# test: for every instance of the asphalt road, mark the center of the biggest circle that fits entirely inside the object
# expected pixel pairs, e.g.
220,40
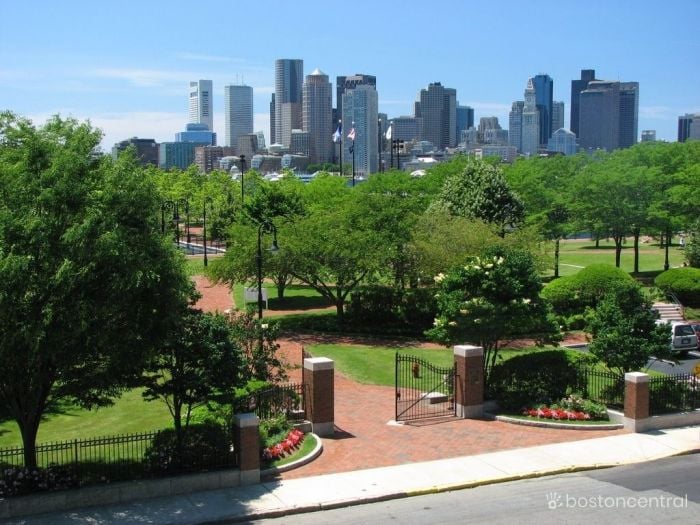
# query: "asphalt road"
685,364
663,491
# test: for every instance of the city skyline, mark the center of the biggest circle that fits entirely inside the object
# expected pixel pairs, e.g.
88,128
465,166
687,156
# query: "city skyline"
131,76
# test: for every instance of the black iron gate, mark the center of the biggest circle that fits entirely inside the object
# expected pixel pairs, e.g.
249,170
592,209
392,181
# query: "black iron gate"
423,390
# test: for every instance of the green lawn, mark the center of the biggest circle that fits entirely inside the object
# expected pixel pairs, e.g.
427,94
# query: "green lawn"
296,297
576,254
129,414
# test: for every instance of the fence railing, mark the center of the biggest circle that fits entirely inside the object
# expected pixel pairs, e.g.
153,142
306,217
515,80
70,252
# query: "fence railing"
606,388
123,457
275,401
195,244
675,393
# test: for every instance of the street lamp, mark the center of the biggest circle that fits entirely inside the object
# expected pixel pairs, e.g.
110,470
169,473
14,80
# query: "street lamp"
165,205
176,219
265,227
242,157
204,229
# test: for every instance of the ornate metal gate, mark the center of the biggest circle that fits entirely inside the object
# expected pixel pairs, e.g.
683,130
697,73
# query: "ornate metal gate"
423,390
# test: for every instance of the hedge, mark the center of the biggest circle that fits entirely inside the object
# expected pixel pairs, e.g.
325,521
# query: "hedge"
684,282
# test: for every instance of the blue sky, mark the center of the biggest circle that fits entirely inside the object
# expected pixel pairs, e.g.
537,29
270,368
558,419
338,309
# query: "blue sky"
126,65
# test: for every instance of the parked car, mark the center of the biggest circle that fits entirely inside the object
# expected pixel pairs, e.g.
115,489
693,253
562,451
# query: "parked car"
683,337
696,328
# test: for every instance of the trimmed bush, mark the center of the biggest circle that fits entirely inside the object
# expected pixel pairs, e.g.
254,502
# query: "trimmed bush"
537,378
684,282
204,446
382,306
573,294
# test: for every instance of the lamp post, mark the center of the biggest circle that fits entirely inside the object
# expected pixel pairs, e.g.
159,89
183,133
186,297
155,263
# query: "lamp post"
186,204
352,150
165,205
204,229
242,157
269,228
340,126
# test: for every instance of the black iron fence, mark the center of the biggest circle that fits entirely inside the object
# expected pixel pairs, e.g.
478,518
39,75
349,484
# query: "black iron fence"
194,244
516,390
675,393
81,462
277,400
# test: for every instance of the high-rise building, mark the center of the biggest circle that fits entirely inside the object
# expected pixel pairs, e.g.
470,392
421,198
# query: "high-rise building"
261,140
202,103
406,128
238,112
587,75
207,157
557,116
289,78
343,83
464,116
360,109
562,141
300,143
247,145
688,127
199,134
648,135
317,116
608,115
515,124
146,150
176,154
530,130
544,93
273,136
438,109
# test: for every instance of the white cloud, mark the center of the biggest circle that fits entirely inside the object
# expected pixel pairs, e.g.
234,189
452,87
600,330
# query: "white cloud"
145,77
658,112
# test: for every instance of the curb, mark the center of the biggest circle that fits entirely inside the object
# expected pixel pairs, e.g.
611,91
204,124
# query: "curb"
561,426
316,452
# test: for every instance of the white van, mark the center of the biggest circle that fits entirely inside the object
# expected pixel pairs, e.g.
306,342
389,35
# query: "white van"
683,337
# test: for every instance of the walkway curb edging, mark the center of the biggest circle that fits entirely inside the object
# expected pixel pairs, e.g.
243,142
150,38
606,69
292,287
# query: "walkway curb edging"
561,426
316,452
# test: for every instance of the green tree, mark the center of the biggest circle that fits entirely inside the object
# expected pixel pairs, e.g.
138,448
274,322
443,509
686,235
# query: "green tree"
481,192
88,286
624,333
492,298
199,363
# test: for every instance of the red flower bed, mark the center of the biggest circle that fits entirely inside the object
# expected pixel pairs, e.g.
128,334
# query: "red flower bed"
285,447
556,413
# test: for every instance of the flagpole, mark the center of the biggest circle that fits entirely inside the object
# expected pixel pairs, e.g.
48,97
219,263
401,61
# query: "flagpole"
340,127
353,154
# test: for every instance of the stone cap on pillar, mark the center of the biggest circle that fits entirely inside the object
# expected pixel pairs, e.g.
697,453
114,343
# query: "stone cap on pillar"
246,420
318,363
637,377
468,351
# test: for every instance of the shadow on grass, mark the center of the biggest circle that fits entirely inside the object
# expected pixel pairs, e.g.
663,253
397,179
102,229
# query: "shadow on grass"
299,302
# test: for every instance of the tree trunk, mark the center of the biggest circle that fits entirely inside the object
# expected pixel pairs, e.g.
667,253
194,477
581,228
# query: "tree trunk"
281,285
618,250
340,309
636,251
556,258
29,429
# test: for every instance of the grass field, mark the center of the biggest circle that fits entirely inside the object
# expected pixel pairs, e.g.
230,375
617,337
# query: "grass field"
296,297
577,254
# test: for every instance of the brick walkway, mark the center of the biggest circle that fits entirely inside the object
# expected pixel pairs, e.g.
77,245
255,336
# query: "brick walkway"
364,439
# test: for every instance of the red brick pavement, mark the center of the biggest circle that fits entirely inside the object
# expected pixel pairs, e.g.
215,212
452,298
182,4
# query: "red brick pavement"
363,437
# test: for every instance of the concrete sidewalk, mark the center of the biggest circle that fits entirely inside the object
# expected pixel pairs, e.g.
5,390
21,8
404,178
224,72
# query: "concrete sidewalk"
278,498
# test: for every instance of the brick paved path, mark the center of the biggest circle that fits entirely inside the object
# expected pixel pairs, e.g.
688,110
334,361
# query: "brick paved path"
364,439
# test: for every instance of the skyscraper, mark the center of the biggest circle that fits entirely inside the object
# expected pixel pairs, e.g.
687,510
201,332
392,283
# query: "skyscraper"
360,109
544,92
201,103
317,116
238,112
289,77
438,109
343,83
557,116
515,124
587,75
273,136
464,120
530,130
608,112
688,127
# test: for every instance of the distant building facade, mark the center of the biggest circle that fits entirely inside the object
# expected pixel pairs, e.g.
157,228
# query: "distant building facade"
515,124
198,134
201,108
146,150
530,130
345,83
360,110
207,157
563,141
317,117
464,119
587,75
689,127
176,154
437,106
406,128
238,113
608,115
289,79
648,135
544,100
557,116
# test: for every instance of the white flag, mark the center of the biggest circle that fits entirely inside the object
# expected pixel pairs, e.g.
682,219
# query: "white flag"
388,133
351,135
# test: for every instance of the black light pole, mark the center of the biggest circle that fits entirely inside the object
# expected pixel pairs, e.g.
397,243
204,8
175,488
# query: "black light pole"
265,227
340,125
204,230
186,203
352,150
391,161
667,244
242,173
165,205
176,221
379,145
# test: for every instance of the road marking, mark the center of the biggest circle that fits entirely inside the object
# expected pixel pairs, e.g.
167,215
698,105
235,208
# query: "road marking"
572,265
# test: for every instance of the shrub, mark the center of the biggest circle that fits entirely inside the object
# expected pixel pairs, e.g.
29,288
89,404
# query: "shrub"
274,430
377,306
573,294
204,446
539,377
684,282
15,481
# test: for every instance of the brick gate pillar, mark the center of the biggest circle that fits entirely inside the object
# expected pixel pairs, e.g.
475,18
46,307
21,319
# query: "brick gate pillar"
320,400
636,401
246,443
469,383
